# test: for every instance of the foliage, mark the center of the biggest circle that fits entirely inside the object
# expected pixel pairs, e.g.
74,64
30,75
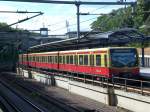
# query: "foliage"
124,17
6,28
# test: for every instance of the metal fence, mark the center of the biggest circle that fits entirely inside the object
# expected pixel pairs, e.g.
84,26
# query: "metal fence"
146,59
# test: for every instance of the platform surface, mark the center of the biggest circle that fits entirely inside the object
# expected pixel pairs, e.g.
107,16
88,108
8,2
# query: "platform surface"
145,72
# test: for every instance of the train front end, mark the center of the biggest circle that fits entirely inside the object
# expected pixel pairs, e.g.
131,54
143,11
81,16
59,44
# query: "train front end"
124,62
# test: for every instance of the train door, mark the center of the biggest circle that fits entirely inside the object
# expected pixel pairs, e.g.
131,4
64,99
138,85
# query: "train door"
91,63
76,62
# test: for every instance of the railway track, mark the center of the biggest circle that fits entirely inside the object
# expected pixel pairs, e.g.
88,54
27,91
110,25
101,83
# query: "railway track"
138,86
60,104
16,102
44,96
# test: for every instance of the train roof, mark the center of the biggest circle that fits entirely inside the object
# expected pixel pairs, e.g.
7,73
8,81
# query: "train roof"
81,50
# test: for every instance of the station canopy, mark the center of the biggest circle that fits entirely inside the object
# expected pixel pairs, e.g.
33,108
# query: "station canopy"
117,38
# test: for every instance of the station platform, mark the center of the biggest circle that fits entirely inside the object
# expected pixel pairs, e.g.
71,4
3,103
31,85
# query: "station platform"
145,72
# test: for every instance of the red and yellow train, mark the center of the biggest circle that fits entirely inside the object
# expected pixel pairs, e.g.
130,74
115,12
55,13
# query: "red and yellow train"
106,62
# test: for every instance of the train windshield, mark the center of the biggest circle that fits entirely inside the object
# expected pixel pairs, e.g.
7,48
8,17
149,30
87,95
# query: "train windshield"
124,57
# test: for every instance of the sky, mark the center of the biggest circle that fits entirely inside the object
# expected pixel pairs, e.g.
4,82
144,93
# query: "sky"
55,15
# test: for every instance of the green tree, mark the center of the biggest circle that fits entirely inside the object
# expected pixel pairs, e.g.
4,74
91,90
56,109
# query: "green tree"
124,17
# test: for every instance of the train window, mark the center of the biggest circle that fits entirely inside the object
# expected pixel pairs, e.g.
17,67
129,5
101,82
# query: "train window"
64,59
43,59
33,58
56,60
60,59
98,60
52,59
80,59
67,59
49,59
71,59
46,59
86,61
37,59
105,60
92,60
28,58
40,58
76,59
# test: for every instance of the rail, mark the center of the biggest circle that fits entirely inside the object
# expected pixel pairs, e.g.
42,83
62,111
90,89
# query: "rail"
44,96
14,106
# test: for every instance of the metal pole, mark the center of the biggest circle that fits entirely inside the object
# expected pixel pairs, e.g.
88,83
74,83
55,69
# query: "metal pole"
143,58
78,23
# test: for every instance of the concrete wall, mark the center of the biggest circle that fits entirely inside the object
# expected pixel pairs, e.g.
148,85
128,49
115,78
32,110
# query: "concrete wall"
94,92
131,101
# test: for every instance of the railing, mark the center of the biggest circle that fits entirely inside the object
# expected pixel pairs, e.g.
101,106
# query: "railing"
130,85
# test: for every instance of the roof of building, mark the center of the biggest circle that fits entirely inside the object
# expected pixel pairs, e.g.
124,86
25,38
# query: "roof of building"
118,37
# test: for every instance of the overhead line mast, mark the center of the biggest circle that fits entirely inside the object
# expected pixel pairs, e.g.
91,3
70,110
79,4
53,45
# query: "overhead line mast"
77,3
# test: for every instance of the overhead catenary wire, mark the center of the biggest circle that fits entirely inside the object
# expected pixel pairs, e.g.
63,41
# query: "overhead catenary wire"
62,28
72,18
